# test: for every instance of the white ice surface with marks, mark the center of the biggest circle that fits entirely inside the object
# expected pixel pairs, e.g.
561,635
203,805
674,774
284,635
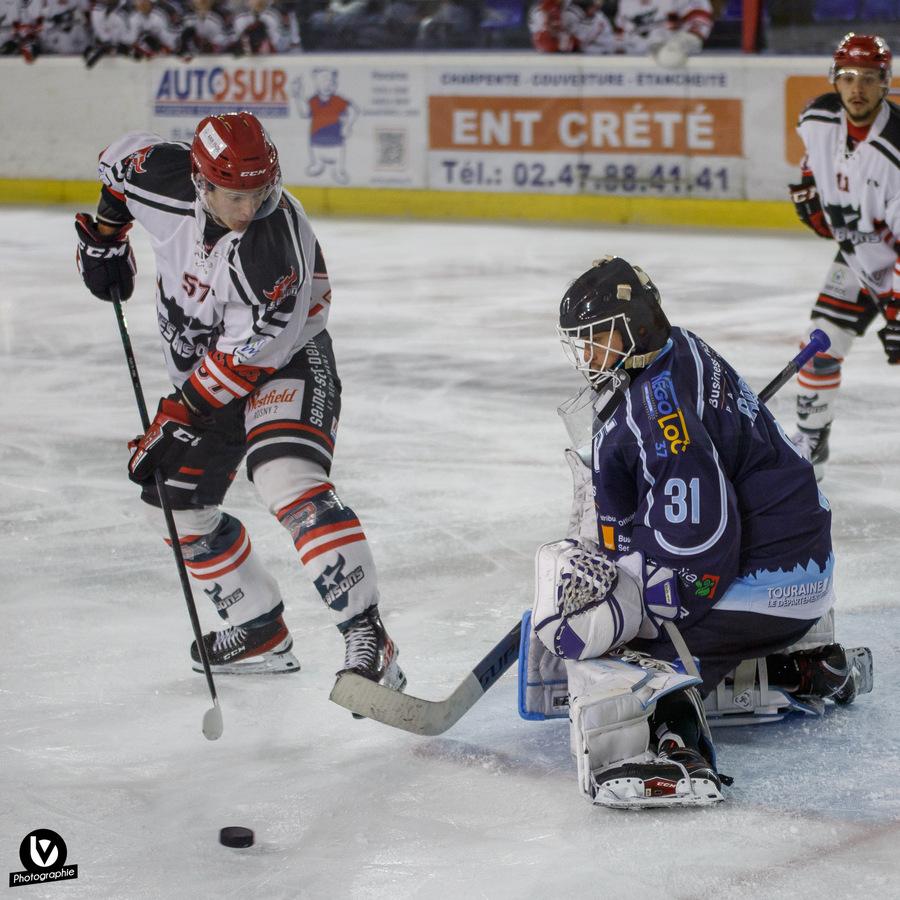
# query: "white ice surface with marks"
451,453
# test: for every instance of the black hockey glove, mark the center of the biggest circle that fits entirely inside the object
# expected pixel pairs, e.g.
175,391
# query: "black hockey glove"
809,207
890,338
172,433
104,260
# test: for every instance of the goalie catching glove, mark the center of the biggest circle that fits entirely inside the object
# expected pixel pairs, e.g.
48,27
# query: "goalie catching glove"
172,433
105,260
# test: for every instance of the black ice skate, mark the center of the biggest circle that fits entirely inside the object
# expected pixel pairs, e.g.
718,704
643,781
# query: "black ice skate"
813,445
368,651
678,776
239,650
826,673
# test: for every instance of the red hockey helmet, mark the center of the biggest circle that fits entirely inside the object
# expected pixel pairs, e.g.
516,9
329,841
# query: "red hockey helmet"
234,151
862,51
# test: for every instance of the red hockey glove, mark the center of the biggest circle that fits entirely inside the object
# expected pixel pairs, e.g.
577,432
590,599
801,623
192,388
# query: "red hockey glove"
104,260
172,433
806,201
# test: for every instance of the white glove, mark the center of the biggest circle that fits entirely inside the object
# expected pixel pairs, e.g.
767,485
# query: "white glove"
674,52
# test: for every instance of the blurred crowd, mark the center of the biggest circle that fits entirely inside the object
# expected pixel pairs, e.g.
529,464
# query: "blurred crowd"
669,30
142,29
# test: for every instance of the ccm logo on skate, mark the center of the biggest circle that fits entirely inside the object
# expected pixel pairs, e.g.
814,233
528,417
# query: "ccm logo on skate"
43,854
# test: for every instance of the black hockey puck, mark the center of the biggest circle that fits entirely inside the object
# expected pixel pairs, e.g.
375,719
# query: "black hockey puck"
236,836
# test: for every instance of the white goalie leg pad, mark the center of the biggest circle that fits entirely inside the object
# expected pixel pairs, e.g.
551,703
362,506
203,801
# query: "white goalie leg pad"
611,703
543,685
744,696
584,605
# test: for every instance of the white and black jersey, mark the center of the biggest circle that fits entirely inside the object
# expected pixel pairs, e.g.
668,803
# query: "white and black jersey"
204,32
233,307
262,33
152,32
646,24
110,24
65,28
858,183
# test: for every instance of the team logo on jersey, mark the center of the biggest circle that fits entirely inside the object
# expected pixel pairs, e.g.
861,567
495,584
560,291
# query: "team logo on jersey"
706,585
663,407
137,160
286,286
189,338
844,221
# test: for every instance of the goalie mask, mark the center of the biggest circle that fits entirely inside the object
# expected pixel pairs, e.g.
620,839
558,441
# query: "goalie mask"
611,319
233,159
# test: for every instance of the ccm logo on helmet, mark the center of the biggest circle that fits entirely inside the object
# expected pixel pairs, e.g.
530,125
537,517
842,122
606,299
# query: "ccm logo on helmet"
252,172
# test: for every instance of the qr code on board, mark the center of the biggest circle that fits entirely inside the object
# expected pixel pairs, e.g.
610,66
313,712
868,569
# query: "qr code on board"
390,149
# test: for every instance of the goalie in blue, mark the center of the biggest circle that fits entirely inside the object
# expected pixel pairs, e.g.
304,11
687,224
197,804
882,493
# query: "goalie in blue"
698,533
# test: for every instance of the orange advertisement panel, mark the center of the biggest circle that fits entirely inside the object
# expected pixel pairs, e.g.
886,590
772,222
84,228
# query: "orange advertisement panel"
798,91
632,125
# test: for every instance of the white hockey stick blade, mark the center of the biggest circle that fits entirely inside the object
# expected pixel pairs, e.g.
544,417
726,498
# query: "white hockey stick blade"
212,722
426,717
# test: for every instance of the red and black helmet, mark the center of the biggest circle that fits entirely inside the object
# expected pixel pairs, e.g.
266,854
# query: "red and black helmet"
234,151
862,51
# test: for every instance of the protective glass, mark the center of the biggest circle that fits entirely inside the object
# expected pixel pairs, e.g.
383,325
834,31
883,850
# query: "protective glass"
268,197
867,77
589,348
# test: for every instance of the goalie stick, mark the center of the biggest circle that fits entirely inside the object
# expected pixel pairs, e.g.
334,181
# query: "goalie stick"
819,342
430,717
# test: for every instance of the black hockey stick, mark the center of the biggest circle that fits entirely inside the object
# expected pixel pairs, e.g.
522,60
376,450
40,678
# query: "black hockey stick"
819,342
430,717
212,718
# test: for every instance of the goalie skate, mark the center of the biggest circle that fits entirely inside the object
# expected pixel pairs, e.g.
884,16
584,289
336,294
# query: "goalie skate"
677,777
244,651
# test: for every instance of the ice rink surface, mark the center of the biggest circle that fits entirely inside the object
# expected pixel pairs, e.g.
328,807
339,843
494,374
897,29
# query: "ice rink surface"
450,451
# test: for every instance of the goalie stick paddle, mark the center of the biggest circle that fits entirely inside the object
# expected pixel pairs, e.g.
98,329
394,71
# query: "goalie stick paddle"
430,717
212,718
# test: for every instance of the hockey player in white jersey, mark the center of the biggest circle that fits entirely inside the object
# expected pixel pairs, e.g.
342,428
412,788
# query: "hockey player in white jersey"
152,31
849,192
242,296
203,31
669,30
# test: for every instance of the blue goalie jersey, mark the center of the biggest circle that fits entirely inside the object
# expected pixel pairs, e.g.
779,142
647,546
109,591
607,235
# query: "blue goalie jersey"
694,472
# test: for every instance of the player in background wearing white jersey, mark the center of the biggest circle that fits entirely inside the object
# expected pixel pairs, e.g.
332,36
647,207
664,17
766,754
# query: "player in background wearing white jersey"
242,298
669,30
849,192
